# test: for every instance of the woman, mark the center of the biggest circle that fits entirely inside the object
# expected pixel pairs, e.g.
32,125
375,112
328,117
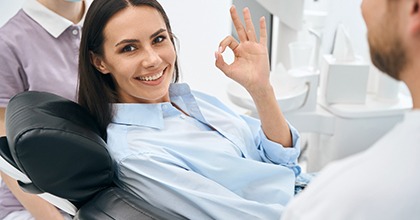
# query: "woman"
168,142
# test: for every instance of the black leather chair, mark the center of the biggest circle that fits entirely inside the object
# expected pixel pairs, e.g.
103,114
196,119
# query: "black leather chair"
53,148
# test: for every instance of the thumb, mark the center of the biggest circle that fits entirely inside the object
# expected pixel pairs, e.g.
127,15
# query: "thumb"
220,62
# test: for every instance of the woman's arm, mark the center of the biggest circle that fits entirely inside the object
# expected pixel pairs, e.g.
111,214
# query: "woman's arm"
251,69
170,185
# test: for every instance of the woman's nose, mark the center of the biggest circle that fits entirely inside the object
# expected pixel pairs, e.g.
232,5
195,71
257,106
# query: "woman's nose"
151,58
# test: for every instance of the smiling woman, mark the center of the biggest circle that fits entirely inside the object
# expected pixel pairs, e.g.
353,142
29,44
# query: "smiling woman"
140,59
102,50
170,142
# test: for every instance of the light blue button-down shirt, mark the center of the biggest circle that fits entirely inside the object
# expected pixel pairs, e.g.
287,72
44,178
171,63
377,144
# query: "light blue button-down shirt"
211,164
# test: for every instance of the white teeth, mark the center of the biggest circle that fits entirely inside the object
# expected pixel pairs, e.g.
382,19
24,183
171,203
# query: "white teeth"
151,78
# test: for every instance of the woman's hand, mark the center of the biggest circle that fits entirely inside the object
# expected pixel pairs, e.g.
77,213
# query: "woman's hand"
251,69
251,66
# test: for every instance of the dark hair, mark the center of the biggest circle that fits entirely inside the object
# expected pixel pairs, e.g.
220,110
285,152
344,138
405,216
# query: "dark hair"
97,91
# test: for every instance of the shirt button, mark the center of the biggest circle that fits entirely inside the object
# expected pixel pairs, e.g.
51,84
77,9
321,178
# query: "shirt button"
75,32
183,116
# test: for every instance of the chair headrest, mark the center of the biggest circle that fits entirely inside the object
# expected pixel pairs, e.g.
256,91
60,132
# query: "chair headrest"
56,143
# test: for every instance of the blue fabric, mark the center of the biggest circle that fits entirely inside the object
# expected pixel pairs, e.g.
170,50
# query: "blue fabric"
302,181
208,164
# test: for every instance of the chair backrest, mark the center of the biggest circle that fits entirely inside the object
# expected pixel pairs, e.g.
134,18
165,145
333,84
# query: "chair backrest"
8,165
56,143
54,149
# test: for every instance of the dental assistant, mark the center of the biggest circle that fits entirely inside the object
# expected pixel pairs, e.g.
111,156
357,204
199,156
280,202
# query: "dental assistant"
39,49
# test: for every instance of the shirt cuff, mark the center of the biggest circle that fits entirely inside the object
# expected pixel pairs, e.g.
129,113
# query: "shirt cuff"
278,154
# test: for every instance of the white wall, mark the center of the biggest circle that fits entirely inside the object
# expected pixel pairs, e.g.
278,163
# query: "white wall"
8,8
200,25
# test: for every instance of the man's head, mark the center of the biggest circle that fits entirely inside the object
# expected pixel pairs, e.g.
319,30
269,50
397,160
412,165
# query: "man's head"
392,26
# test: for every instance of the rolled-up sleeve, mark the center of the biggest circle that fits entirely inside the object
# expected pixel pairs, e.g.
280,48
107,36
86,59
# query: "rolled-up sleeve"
272,152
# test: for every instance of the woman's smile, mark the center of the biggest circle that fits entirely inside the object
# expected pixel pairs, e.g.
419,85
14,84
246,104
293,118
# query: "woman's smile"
152,79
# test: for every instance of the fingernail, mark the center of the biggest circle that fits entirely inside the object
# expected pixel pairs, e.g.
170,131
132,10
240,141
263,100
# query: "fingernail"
220,49
215,55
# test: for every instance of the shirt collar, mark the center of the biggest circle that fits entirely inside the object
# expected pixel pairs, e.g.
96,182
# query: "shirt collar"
152,115
49,20
179,90
149,115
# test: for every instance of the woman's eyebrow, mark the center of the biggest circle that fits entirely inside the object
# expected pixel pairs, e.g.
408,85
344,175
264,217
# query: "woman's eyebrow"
128,41
157,33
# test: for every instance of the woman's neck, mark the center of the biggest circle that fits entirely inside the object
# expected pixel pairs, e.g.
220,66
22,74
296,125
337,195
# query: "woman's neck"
72,11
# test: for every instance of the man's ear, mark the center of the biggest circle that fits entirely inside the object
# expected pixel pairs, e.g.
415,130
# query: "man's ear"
97,62
414,23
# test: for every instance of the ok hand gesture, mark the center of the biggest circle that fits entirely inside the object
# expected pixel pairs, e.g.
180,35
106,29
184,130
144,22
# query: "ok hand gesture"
251,67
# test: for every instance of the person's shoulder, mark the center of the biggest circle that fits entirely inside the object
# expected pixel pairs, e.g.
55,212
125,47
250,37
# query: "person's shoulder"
18,32
17,25
213,101
14,22
203,95
206,97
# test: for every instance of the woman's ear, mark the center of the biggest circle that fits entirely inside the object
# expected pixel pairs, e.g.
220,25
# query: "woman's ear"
98,63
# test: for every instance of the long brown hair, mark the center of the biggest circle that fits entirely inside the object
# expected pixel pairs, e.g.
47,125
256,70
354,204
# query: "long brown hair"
97,91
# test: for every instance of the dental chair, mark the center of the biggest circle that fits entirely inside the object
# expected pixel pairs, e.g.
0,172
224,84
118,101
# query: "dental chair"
54,149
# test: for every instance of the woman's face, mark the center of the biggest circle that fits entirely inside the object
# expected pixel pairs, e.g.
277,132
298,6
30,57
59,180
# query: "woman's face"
139,55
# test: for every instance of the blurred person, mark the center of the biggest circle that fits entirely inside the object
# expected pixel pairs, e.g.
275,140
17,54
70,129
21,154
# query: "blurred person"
381,182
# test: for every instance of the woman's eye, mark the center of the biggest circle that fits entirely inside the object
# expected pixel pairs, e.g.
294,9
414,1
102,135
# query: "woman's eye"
159,39
128,48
